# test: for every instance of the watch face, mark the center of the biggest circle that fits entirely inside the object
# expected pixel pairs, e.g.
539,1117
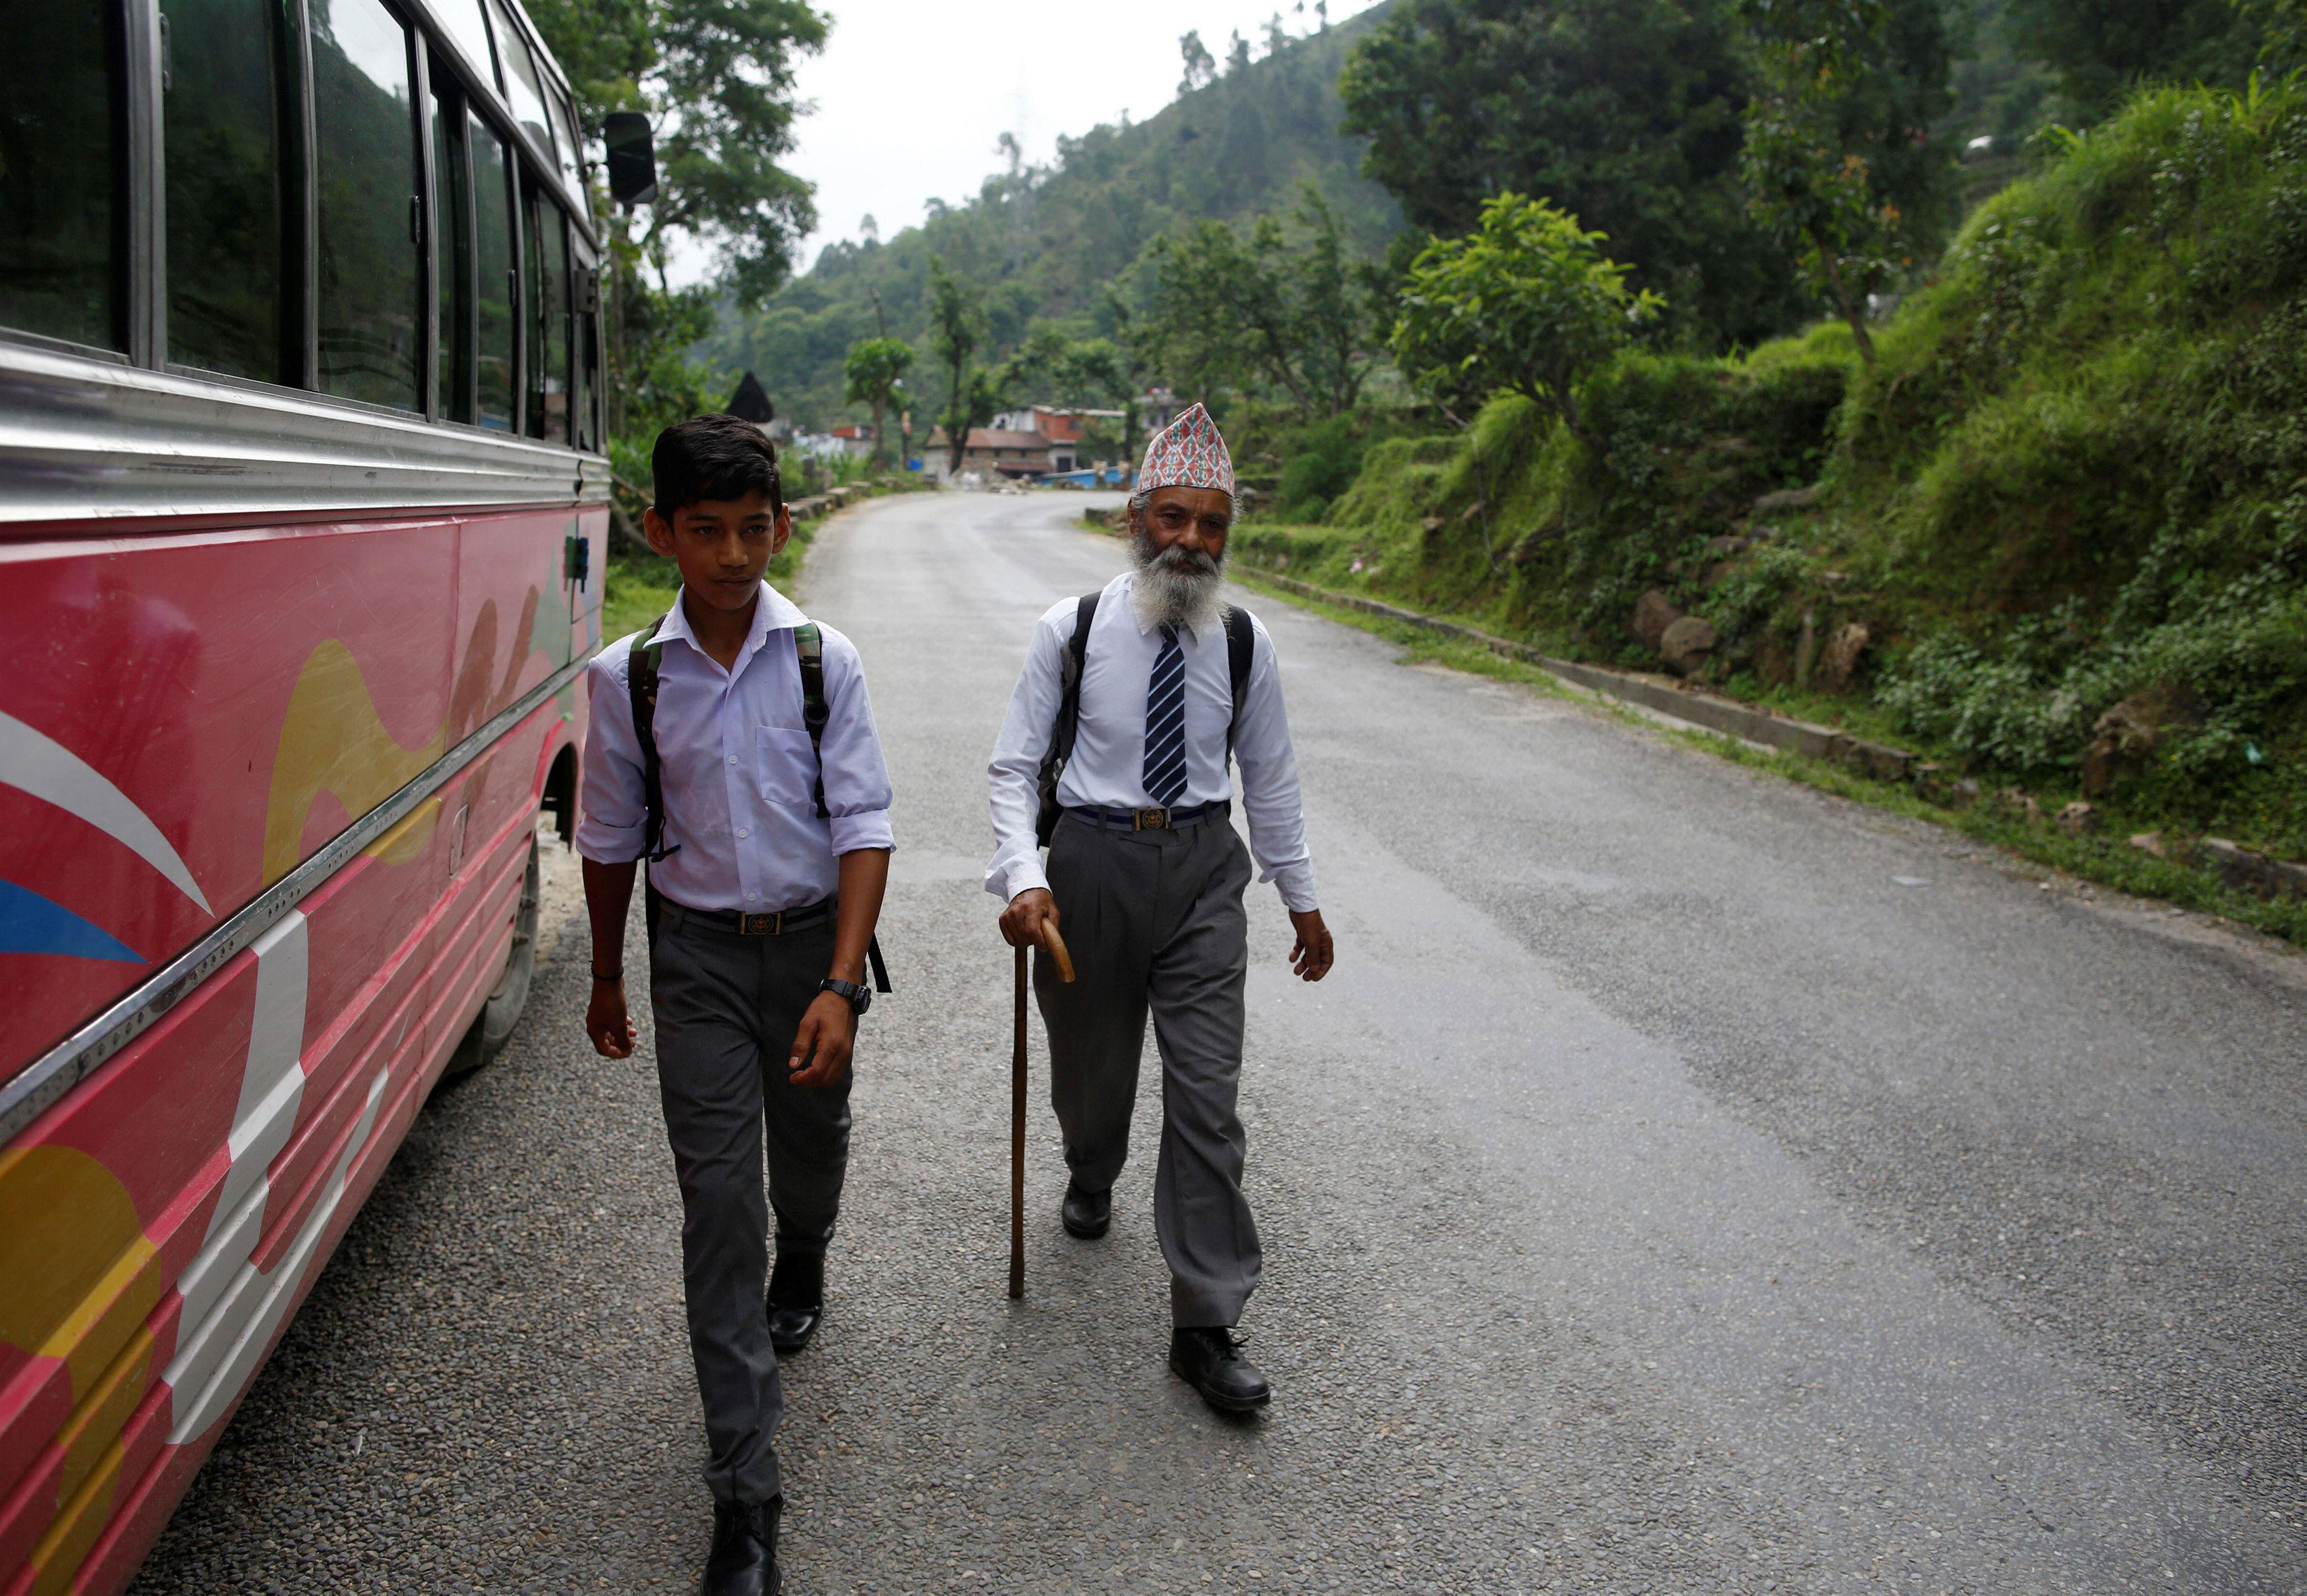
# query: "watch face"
864,997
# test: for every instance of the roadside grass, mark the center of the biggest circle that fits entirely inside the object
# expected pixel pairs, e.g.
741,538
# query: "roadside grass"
2104,860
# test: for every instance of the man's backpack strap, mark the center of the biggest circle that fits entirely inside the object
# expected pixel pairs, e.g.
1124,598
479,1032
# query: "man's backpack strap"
1068,721
809,653
1241,638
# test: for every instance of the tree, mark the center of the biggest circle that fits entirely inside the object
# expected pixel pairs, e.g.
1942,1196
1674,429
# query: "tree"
1268,310
2281,29
1804,160
973,394
2098,49
876,369
717,75
1201,67
1627,114
1527,304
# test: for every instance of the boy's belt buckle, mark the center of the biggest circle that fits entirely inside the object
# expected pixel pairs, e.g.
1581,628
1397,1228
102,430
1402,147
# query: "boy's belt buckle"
770,924
1150,820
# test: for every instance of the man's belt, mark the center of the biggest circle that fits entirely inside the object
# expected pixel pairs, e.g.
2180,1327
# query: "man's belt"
745,925
1150,820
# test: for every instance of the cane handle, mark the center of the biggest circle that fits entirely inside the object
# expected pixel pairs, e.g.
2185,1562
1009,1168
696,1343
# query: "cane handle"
1055,947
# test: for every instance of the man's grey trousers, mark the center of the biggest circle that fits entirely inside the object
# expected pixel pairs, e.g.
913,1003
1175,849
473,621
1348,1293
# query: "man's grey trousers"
726,1009
1154,920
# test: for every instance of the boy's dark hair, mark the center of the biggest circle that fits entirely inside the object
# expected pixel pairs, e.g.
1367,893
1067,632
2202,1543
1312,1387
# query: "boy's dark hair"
714,456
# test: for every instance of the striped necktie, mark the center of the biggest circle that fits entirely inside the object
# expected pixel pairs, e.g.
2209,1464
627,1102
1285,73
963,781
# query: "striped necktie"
1165,725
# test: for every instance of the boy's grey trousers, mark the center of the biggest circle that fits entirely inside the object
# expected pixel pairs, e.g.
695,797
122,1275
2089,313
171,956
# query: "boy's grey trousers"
726,1009
1154,920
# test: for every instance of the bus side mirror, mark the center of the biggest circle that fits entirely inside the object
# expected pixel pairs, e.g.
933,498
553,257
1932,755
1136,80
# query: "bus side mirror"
632,157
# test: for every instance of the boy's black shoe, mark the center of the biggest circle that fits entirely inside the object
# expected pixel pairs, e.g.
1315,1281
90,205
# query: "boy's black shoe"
1086,1214
796,1302
743,1561
1209,1361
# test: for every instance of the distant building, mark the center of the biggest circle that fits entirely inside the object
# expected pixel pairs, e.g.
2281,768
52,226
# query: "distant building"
990,451
856,438
1062,425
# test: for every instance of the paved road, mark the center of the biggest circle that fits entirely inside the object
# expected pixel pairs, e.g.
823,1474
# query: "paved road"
1666,1194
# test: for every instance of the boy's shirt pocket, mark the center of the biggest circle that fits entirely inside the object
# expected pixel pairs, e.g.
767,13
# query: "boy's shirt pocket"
785,766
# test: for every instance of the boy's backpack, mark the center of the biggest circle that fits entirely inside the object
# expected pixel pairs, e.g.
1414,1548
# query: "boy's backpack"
640,685
1239,639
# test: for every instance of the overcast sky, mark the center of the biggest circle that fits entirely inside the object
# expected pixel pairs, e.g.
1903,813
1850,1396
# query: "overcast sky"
911,95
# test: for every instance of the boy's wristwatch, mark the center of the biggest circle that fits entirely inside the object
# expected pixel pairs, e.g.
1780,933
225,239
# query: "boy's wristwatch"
859,998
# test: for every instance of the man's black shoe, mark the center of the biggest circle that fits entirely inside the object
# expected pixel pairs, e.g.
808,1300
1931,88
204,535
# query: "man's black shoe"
796,1302
1086,1214
743,1561
1209,1361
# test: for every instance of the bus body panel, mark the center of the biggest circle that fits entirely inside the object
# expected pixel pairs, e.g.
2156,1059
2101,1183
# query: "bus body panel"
159,1224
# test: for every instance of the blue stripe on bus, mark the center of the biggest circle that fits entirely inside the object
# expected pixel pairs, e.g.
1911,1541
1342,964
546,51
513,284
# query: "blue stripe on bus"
31,924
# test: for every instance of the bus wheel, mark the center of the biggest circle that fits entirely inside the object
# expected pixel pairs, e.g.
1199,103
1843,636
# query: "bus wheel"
493,1027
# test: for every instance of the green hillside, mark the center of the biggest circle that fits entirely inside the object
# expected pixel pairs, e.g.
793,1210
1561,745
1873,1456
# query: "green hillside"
2055,536
1046,242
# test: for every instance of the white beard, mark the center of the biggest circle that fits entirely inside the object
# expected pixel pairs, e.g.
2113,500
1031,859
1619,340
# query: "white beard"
1175,588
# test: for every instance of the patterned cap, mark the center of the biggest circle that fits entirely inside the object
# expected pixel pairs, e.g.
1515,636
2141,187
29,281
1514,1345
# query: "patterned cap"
1187,453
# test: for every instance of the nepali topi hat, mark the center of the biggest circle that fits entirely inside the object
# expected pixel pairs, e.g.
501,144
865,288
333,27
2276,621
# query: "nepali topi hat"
1187,453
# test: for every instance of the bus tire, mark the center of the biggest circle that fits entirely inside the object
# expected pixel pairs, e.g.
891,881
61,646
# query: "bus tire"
493,1027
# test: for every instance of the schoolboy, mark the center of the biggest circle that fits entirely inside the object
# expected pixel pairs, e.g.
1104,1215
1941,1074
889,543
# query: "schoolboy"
768,846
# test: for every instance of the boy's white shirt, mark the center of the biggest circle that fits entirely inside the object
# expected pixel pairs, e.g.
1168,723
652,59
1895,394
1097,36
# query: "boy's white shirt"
739,776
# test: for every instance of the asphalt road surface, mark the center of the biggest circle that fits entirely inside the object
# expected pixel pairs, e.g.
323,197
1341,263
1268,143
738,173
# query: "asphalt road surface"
1685,1182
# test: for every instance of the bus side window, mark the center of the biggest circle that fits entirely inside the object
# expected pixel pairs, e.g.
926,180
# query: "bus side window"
548,305
452,256
584,364
492,252
468,32
522,86
365,113
62,268
228,205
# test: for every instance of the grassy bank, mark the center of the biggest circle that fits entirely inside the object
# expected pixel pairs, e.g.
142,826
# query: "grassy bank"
2102,858
2052,539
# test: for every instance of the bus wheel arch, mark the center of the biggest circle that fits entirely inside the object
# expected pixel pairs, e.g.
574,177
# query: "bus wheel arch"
558,796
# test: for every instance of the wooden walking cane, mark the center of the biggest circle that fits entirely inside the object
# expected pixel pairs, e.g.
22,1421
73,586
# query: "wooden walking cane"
1057,947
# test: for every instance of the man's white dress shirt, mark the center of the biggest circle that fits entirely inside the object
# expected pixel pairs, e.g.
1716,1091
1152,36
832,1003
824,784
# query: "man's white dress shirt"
1106,769
738,771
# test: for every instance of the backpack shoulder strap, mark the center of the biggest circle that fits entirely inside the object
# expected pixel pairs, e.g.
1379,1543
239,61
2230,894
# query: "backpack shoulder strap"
1069,721
640,690
809,653
1076,662
1241,639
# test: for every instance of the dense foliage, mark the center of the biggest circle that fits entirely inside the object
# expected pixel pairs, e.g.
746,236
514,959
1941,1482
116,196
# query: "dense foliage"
1527,304
2063,515
1627,114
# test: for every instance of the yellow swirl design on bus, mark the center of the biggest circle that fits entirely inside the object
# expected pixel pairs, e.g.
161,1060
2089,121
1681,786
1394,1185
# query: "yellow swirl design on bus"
333,741
76,1283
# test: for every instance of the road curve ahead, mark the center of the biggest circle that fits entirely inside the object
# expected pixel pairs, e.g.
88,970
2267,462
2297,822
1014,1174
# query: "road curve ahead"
1685,1182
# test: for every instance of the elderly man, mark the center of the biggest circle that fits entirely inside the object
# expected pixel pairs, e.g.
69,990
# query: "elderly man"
1114,753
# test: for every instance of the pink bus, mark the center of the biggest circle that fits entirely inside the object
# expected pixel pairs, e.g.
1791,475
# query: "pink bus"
301,501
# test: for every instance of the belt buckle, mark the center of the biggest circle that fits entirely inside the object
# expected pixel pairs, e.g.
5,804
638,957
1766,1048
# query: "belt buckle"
1149,820
770,924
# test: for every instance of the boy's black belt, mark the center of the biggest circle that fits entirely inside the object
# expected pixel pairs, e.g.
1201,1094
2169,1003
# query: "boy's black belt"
775,923
1150,820
744,925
